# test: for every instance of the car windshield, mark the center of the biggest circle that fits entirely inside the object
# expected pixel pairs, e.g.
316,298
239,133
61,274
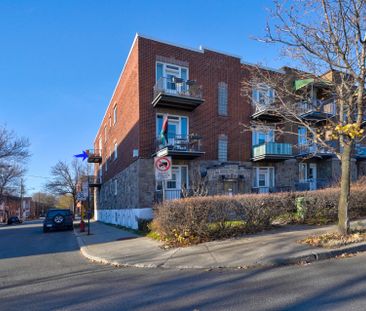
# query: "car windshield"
51,214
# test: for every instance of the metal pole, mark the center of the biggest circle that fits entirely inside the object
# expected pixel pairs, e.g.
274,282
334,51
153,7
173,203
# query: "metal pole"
21,199
88,207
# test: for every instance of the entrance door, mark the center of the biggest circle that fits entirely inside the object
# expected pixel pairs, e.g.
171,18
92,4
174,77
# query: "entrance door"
173,187
312,176
265,179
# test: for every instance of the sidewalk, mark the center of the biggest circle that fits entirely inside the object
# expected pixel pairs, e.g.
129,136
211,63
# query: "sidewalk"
114,246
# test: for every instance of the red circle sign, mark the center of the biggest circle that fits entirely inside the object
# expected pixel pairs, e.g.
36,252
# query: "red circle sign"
163,164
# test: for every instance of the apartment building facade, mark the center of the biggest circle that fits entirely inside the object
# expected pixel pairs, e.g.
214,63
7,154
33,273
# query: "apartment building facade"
199,94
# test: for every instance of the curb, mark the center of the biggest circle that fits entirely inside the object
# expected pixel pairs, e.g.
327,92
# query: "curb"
308,258
84,252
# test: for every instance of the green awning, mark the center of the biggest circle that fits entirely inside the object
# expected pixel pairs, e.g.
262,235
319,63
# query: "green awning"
301,83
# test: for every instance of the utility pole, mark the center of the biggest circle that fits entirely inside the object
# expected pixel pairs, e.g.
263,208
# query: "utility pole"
21,199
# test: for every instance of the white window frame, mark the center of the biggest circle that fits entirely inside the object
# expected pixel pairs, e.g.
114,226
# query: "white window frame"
115,114
115,151
256,179
174,116
159,183
302,138
268,132
303,167
165,70
269,97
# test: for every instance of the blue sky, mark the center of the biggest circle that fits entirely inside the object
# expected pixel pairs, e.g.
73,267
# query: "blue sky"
60,60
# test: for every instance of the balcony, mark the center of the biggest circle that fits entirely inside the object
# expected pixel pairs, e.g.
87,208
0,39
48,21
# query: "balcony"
315,151
177,93
360,152
94,181
179,147
266,112
272,151
94,155
317,110
312,184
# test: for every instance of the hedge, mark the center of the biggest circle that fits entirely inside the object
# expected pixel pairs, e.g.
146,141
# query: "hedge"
200,219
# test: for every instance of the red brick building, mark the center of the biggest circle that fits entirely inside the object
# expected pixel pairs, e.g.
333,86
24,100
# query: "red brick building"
200,92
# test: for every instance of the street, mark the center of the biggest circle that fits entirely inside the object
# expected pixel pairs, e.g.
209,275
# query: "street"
46,272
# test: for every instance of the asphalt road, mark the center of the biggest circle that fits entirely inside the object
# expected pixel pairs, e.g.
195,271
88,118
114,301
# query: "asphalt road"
46,272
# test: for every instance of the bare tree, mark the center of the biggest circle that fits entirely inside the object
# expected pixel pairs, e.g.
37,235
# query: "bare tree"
323,36
13,155
198,186
65,178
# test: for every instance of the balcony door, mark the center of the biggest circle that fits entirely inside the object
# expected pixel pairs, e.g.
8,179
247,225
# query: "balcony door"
177,128
165,75
261,137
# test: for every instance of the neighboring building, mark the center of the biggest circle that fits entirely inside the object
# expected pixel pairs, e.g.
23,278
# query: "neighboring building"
10,206
201,94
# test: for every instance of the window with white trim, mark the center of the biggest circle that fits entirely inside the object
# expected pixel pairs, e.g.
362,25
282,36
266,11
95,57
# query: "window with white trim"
115,187
222,98
263,177
222,148
115,114
263,95
262,136
166,74
115,151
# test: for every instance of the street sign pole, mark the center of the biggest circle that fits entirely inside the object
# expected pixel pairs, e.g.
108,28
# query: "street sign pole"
88,209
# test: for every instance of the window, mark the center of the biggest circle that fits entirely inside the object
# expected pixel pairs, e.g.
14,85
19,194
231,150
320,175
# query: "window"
263,95
222,99
222,148
303,172
100,172
105,133
115,151
115,114
302,136
115,187
263,178
100,144
264,135
177,127
106,160
110,121
165,74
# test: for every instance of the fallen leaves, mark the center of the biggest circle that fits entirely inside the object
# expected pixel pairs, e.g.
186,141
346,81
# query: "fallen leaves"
334,239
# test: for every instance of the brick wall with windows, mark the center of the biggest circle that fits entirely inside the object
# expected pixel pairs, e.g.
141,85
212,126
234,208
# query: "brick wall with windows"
211,70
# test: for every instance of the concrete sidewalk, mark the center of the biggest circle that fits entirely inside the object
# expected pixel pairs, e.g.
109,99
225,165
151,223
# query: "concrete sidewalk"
114,246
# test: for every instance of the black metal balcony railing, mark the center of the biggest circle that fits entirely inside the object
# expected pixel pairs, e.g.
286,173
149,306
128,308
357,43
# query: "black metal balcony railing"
315,149
177,93
317,108
94,155
178,86
94,181
187,143
312,184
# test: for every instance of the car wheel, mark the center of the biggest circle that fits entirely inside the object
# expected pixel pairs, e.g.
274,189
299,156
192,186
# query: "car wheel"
58,219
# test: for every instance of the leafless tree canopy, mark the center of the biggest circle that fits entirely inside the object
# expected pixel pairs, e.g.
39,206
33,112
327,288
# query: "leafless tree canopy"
65,178
326,41
13,155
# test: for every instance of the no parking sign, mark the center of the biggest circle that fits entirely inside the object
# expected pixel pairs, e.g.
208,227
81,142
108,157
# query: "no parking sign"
163,168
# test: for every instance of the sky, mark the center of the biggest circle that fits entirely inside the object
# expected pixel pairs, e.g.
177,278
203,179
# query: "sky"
60,61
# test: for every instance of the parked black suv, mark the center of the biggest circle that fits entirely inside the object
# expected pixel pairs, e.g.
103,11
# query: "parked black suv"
58,219
14,220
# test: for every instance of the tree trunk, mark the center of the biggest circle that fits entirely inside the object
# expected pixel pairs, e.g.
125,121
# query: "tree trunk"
343,221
